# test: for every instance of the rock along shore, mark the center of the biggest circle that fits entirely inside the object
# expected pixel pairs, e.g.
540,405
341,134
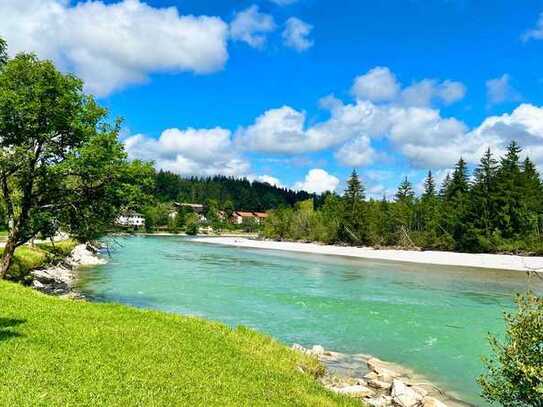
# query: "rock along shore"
385,384
60,279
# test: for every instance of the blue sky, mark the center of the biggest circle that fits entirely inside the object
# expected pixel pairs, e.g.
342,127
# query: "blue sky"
302,92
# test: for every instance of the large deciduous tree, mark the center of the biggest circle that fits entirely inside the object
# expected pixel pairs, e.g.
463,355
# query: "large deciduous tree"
61,164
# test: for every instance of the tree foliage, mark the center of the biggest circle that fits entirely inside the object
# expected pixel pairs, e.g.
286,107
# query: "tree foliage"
500,210
61,164
515,372
230,193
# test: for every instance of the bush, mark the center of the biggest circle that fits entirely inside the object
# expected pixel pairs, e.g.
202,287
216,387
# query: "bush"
515,374
192,225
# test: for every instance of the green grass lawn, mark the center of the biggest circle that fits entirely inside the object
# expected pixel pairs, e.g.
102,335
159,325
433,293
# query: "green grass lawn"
62,352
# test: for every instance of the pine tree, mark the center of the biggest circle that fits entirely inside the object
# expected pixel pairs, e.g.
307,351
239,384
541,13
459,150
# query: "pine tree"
429,209
459,183
429,187
455,204
354,226
354,193
445,186
511,212
404,212
532,195
405,192
482,199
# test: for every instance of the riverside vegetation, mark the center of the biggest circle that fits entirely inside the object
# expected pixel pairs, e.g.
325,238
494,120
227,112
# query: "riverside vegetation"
499,210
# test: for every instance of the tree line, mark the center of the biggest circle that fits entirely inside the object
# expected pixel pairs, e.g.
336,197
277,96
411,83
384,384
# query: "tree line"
497,208
227,192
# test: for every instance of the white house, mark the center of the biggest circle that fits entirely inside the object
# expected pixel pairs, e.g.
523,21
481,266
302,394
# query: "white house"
131,219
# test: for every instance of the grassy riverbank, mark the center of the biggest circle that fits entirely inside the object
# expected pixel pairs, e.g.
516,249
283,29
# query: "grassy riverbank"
64,352
28,258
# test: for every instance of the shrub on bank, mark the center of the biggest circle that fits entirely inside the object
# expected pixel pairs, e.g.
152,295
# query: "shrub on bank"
515,373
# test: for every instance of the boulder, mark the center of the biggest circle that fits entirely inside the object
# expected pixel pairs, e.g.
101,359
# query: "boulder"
371,376
84,255
379,384
403,395
317,350
356,390
382,368
432,402
381,401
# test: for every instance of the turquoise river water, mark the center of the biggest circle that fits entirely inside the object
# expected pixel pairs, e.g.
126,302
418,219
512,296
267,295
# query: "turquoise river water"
431,319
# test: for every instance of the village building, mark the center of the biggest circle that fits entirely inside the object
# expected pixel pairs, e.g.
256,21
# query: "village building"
131,219
239,216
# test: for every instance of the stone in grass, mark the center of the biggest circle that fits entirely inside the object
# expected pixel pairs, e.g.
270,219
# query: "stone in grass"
356,390
432,402
403,395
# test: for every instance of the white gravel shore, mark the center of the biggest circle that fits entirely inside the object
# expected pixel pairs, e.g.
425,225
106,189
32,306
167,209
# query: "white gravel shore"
489,261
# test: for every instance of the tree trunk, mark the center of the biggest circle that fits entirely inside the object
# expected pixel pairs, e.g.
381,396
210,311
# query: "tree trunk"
9,251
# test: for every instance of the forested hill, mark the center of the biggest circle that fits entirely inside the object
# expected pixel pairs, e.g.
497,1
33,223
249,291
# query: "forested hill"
243,193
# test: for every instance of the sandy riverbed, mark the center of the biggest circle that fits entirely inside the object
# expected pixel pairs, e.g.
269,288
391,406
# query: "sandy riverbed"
490,261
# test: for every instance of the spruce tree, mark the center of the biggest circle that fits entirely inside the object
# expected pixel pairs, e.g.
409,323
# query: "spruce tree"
459,182
404,212
429,210
429,186
405,192
511,212
445,186
532,194
354,193
354,226
455,204
482,199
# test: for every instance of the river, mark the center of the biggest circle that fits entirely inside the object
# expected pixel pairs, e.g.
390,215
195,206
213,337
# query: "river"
432,319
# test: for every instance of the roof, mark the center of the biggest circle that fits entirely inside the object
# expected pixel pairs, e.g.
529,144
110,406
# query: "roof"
190,205
245,214
132,213
261,214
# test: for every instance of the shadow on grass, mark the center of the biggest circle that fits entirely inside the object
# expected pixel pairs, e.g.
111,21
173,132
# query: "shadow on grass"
6,325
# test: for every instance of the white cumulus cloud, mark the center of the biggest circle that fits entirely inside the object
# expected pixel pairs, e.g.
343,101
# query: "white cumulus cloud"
267,179
296,33
381,85
113,45
377,85
190,152
317,181
500,90
535,33
356,153
252,26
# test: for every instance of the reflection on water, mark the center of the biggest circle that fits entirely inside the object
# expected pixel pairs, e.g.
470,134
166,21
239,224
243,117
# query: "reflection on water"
433,319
